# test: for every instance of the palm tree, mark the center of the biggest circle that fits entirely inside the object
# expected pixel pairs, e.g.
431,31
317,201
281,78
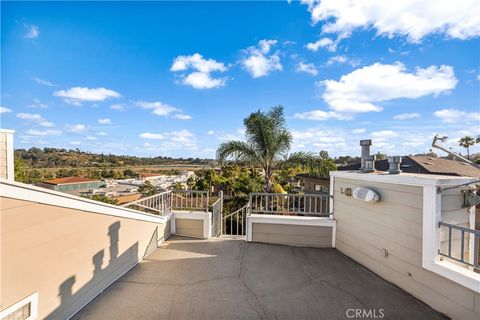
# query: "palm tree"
466,142
267,144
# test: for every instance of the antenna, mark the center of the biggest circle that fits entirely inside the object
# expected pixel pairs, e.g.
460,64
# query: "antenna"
443,139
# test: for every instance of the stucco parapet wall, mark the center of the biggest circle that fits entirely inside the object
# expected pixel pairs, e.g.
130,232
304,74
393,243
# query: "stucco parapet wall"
21,191
412,179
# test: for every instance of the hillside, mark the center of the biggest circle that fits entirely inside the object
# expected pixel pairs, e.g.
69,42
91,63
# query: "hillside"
63,158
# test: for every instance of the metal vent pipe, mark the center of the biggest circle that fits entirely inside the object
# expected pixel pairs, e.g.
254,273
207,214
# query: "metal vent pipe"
394,164
365,144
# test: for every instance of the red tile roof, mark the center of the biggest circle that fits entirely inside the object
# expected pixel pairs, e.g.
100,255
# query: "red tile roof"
67,180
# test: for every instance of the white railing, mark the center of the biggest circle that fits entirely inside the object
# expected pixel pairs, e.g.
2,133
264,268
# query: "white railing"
159,203
190,200
217,212
167,201
290,204
235,222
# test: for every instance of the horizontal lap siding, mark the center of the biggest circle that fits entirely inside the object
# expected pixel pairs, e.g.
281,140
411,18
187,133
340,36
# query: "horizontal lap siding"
297,235
189,227
3,155
395,224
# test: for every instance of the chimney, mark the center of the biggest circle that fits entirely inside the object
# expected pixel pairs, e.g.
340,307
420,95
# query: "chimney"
369,164
365,144
6,155
394,164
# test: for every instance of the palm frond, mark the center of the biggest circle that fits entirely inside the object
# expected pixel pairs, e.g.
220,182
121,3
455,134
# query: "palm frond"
237,151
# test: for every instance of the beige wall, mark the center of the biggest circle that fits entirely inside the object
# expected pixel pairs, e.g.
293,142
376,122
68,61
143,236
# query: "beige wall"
296,235
3,155
366,232
67,255
189,227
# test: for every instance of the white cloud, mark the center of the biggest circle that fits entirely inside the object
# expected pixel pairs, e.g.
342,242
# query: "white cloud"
104,121
200,77
173,140
200,80
76,128
159,108
455,115
307,68
384,134
44,82
5,110
411,18
38,133
101,133
197,62
406,116
181,136
77,95
211,133
33,31
320,115
38,119
257,60
37,104
149,135
163,109
117,106
341,60
91,138
182,116
326,43
359,90
359,130
75,143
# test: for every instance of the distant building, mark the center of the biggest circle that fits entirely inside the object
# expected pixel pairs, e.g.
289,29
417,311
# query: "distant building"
425,165
71,183
149,176
314,184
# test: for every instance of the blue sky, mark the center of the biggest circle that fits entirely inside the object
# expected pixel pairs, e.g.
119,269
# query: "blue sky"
178,78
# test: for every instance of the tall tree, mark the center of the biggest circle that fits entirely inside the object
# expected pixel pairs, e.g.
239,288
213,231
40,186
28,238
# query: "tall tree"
466,142
267,144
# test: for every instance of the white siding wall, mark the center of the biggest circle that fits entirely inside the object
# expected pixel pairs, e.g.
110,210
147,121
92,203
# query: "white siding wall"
386,237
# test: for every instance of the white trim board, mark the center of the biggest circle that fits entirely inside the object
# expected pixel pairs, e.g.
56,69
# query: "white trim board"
32,299
403,178
291,220
21,191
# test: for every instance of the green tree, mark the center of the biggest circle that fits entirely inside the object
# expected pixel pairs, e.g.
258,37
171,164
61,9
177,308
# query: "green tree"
267,144
466,142
147,189
322,165
101,198
19,170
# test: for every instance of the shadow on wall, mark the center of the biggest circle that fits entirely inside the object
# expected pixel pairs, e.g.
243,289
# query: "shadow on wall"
70,302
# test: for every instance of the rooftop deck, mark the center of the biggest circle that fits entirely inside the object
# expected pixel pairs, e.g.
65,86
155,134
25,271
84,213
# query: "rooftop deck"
232,279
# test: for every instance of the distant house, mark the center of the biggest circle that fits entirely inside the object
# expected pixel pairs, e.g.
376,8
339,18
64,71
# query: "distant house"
70,183
314,184
425,165
149,176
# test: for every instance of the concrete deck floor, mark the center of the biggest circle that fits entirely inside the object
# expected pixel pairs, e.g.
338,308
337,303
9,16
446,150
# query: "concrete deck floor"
232,279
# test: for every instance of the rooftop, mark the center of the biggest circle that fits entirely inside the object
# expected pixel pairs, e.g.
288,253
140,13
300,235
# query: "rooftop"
68,180
425,165
233,279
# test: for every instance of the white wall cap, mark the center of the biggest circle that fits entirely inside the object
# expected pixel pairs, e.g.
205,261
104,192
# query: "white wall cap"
414,179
